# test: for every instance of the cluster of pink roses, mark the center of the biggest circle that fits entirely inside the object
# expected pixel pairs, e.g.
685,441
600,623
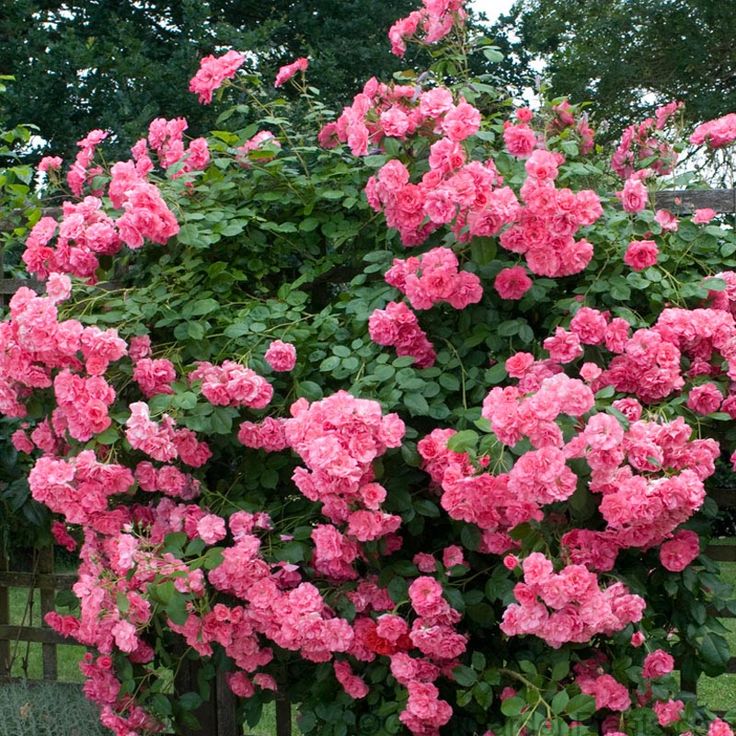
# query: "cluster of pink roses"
469,196
338,439
432,278
34,344
232,384
81,172
716,133
160,441
212,72
165,137
544,229
86,231
642,143
434,21
398,326
399,111
568,606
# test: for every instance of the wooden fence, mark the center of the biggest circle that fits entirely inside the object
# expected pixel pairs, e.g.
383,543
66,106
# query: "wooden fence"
217,716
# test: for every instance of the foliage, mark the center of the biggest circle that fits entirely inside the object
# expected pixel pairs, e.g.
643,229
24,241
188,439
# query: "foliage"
69,55
19,511
627,56
274,240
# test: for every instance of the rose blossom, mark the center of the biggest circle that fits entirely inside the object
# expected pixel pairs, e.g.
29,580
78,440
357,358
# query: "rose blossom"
289,70
281,356
641,254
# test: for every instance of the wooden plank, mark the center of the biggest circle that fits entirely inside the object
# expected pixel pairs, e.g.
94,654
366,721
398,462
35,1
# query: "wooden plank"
720,613
689,686
685,201
283,715
48,596
10,286
186,681
721,552
13,632
724,497
227,723
59,581
4,621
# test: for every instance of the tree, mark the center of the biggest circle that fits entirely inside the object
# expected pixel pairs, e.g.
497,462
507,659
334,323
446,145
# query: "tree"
627,56
117,65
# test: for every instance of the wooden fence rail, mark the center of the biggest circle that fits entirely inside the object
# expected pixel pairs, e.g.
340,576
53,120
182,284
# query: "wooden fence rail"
12,634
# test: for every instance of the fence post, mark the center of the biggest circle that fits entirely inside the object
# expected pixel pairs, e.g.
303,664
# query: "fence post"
227,723
4,616
48,596
283,715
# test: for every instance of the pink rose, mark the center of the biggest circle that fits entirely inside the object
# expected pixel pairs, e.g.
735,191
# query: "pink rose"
289,70
641,254
634,196
677,553
512,283
658,664
703,216
281,356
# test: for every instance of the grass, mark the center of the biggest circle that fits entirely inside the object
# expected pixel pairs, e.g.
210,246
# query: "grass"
720,692
27,656
24,706
47,709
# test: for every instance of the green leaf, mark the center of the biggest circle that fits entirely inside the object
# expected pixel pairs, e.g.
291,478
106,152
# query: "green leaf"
428,508
512,706
560,701
329,364
195,330
203,306
493,54
483,250
213,558
560,670
190,701
221,420
449,382
416,404
580,707
470,536
483,694
398,589
108,437
176,609
310,390
122,602
496,373
291,552
462,441
464,676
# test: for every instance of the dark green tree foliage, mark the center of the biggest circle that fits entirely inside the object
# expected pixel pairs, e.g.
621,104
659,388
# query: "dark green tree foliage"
116,65
616,52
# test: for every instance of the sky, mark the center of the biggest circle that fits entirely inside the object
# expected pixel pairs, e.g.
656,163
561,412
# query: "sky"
492,8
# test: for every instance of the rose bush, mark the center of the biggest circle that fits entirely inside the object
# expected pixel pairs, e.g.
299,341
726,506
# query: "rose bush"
458,489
